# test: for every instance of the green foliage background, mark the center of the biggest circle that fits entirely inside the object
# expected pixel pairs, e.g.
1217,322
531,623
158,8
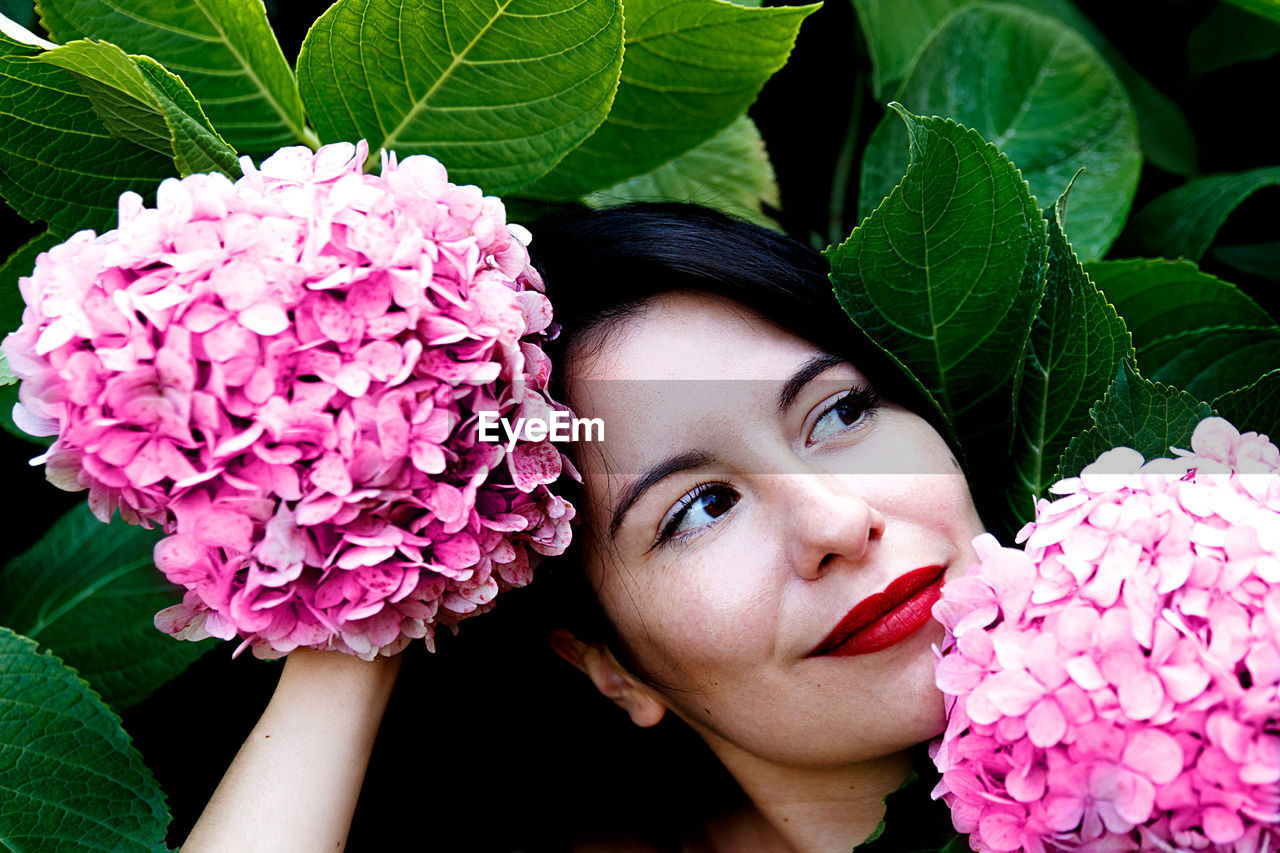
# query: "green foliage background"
1045,325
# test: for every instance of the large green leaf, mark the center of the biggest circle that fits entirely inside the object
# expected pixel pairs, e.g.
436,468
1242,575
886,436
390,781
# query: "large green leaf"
691,68
1255,408
1209,362
70,776
498,90
1228,36
57,162
1158,298
1042,95
89,591
224,50
1077,343
1184,221
730,172
1269,9
948,272
896,29
19,11
1148,416
139,101
1260,259
1167,140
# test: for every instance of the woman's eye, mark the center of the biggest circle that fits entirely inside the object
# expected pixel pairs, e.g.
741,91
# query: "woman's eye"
845,413
698,508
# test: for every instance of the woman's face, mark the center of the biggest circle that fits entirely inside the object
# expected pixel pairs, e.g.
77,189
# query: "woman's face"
744,503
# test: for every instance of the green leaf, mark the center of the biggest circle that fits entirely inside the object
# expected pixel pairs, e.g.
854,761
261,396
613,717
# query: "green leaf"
1041,95
71,778
223,49
1213,361
1148,416
1255,408
57,162
498,90
21,12
1167,140
948,272
9,397
730,172
1260,259
20,263
1228,36
139,101
691,68
1077,343
1166,136
1269,9
1083,449
89,591
1158,298
1191,329
1184,221
896,29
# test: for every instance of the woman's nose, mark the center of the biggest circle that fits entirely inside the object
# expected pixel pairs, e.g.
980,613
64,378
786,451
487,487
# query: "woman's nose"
828,522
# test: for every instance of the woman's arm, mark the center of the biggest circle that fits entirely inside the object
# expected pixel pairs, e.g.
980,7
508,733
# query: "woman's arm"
293,786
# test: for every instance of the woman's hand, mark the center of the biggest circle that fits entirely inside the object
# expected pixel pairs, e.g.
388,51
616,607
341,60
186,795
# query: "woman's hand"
293,786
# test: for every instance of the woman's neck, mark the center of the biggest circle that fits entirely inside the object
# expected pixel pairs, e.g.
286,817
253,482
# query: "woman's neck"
804,810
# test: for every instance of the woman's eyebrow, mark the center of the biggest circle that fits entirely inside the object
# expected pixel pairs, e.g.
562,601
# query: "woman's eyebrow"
791,388
812,368
650,478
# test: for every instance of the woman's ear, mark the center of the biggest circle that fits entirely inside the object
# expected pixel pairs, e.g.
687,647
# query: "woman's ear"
610,677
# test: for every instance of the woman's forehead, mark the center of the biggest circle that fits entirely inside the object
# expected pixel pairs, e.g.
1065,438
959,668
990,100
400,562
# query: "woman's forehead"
689,336
694,376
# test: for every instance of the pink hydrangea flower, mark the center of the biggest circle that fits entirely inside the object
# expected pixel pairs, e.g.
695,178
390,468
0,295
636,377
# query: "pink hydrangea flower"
1115,684
284,373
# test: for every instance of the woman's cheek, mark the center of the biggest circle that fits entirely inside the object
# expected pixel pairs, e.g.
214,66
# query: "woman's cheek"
722,607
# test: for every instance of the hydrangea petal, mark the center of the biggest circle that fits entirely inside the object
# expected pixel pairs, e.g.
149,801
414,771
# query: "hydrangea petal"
1163,613
278,372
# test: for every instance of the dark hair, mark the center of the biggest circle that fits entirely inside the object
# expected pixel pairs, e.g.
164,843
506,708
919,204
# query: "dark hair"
601,267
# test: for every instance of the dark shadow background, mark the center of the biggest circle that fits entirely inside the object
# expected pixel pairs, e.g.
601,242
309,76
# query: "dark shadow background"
494,744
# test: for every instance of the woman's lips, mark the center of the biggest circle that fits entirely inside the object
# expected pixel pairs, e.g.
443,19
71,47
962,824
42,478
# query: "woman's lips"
884,618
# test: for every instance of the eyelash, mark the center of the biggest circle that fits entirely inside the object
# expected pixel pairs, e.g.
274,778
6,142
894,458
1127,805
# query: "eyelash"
864,399
667,535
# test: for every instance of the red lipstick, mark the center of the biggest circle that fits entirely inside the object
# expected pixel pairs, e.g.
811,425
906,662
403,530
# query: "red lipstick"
883,619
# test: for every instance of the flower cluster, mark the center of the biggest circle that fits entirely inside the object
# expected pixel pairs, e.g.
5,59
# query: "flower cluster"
1116,685
284,373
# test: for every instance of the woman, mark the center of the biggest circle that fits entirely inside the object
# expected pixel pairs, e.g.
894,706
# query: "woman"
766,525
